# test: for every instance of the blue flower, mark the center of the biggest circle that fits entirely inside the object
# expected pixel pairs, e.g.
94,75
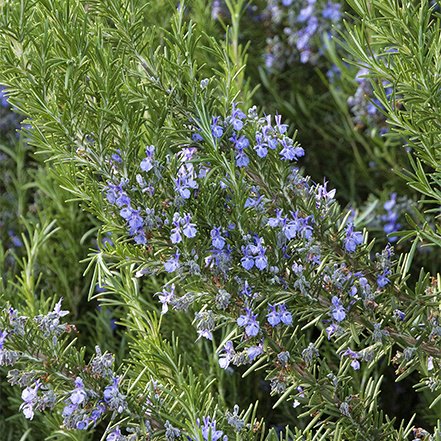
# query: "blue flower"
236,118
290,152
248,260
115,435
30,398
249,322
273,317
382,279
261,146
166,297
225,359
188,228
354,356
113,397
185,180
279,315
216,129
216,238
209,431
338,312
255,351
352,239
147,163
285,315
78,395
172,264
332,11
4,98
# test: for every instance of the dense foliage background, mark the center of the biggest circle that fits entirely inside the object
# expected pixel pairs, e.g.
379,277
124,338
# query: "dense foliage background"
220,220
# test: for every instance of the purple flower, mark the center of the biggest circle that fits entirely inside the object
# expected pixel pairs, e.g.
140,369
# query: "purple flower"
242,159
261,146
188,228
225,359
390,219
399,314
3,335
382,279
29,397
147,163
113,397
216,238
172,264
289,151
255,351
331,329
209,431
277,221
354,356
337,310
332,11
185,180
216,129
285,315
247,261
249,322
115,435
261,261
3,98
166,297
240,144
352,239
78,395
273,317
236,118
281,315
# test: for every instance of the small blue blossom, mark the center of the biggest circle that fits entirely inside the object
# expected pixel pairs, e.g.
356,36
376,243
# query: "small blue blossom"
78,395
114,435
290,152
4,98
209,432
273,317
279,315
147,162
249,322
236,118
382,279
185,180
285,315
338,312
172,264
354,356
114,399
352,239
30,398
255,351
216,238
400,315
216,129
332,11
261,147
166,297
390,219
229,353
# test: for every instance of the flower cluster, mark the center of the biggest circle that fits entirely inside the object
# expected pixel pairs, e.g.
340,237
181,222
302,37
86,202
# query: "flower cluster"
366,109
88,398
254,243
297,29
294,30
